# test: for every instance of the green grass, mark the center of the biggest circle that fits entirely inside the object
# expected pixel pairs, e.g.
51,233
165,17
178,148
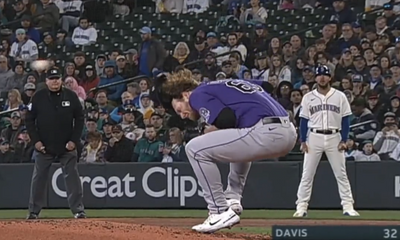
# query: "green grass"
249,214
254,214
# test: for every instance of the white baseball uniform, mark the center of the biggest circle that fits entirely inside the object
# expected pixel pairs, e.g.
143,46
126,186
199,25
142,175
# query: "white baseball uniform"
324,114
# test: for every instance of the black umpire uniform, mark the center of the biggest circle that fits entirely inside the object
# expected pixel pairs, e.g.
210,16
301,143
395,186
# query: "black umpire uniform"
55,122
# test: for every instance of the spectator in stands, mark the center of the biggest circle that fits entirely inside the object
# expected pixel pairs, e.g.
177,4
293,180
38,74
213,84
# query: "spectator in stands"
90,80
180,56
120,7
119,147
29,90
106,129
146,105
363,114
123,69
210,68
169,6
342,13
388,138
31,31
94,150
62,39
48,42
148,149
80,64
14,129
6,153
84,34
151,53
72,84
134,89
261,70
70,12
90,127
174,150
111,76
15,16
17,80
100,60
24,147
295,98
279,69
102,101
158,122
23,49
367,154
255,14
14,100
47,16
351,148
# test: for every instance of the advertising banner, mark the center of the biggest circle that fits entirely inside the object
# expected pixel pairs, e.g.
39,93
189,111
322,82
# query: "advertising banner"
270,185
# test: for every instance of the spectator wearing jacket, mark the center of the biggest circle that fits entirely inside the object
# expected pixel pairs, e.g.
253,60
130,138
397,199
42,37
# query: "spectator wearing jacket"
110,76
7,155
94,150
47,16
363,114
24,147
90,80
387,140
12,132
33,33
72,84
367,154
119,147
148,149
151,53
84,34
174,150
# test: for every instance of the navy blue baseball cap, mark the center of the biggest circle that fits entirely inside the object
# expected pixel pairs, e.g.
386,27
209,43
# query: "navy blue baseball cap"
211,34
260,26
358,78
322,70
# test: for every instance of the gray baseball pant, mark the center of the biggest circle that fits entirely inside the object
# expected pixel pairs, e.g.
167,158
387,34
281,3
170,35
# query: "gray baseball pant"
239,147
40,179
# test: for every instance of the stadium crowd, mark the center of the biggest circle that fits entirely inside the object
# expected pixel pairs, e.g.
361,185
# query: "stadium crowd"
125,124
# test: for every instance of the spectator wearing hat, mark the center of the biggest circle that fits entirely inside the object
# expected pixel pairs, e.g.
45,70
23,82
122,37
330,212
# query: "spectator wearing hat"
360,66
342,12
131,56
31,31
111,76
365,43
210,68
119,147
80,64
357,29
94,150
198,52
367,154
90,80
345,63
11,132
23,49
394,106
308,77
197,75
388,138
128,123
62,38
70,12
84,34
17,81
376,107
261,69
149,148
123,68
24,147
145,103
388,88
158,122
7,155
227,68
362,114
389,14
15,15
369,56
47,16
395,69
287,53
55,123
29,90
151,53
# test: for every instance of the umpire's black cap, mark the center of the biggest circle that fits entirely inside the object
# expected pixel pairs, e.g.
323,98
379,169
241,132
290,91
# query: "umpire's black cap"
53,73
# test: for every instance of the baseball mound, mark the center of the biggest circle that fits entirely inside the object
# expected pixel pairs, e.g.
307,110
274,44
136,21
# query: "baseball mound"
140,229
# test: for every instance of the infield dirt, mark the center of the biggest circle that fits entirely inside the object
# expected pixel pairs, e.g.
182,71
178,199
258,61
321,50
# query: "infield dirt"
145,228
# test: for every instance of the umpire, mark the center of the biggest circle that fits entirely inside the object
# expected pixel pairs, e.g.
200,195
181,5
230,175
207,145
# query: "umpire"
55,122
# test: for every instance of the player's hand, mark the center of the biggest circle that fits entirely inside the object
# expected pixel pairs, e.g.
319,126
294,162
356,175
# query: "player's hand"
70,146
304,147
342,146
40,147
210,128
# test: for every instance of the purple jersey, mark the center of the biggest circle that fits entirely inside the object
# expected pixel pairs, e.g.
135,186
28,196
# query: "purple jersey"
247,99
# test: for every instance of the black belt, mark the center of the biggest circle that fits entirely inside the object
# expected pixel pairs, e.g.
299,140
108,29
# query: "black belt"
268,120
326,132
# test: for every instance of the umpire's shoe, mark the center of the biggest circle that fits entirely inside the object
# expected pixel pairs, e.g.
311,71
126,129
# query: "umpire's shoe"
32,216
80,215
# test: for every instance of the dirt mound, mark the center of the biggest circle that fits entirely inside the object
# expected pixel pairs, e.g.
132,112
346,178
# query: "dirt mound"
145,229
100,230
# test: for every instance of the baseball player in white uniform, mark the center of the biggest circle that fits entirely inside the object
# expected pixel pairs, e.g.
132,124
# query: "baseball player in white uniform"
325,112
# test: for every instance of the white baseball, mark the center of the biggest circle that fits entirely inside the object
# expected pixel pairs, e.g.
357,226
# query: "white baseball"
40,65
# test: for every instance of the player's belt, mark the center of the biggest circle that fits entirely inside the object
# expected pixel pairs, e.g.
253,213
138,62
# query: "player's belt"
326,132
269,120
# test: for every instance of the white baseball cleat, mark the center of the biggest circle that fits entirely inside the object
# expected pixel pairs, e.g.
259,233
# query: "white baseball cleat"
235,205
300,213
216,222
351,213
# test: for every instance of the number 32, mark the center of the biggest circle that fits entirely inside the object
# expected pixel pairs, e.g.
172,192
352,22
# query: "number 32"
390,233
244,87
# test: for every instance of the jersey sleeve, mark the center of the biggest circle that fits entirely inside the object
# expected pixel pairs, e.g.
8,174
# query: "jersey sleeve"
304,110
206,105
33,50
345,106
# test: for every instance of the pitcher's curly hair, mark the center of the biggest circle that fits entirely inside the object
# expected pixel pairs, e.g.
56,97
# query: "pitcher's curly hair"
179,82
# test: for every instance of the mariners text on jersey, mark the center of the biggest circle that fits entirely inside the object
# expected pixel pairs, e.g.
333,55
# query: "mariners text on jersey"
324,107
